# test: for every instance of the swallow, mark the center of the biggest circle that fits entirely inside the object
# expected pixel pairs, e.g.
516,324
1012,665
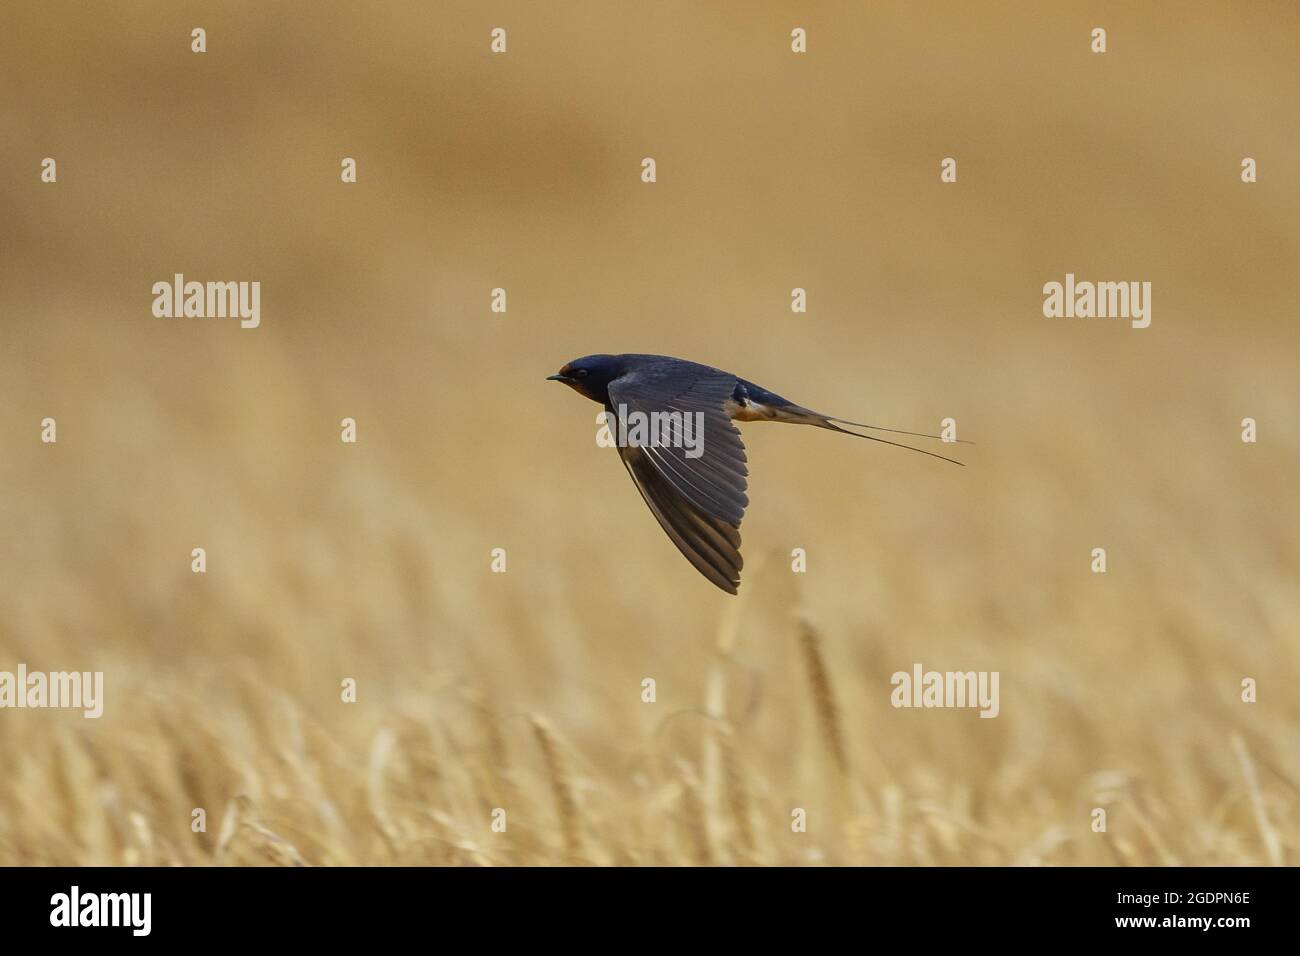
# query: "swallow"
693,473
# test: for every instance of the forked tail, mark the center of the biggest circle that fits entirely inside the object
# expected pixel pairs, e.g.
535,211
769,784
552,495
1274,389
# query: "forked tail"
826,421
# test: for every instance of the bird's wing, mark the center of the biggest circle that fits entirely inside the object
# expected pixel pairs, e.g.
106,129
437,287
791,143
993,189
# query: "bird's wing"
710,544
714,481
698,501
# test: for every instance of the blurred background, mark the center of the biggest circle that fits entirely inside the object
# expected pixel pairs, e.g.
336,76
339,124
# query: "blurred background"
522,691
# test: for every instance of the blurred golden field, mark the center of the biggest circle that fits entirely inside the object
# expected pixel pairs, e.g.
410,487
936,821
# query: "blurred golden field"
522,691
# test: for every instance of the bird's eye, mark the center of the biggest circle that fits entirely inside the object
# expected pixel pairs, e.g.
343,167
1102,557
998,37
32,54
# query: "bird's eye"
581,373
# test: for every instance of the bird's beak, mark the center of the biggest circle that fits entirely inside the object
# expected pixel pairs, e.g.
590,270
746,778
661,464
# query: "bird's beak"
557,377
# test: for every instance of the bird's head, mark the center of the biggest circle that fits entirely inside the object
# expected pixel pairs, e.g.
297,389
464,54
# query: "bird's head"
590,375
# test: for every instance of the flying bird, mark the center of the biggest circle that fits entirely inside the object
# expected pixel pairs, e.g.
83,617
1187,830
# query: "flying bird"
694,480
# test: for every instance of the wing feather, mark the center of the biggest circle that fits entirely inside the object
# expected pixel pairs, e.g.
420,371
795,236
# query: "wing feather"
714,482
698,501
711,545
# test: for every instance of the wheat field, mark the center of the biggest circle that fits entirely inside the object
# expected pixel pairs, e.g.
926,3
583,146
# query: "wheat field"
522,691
